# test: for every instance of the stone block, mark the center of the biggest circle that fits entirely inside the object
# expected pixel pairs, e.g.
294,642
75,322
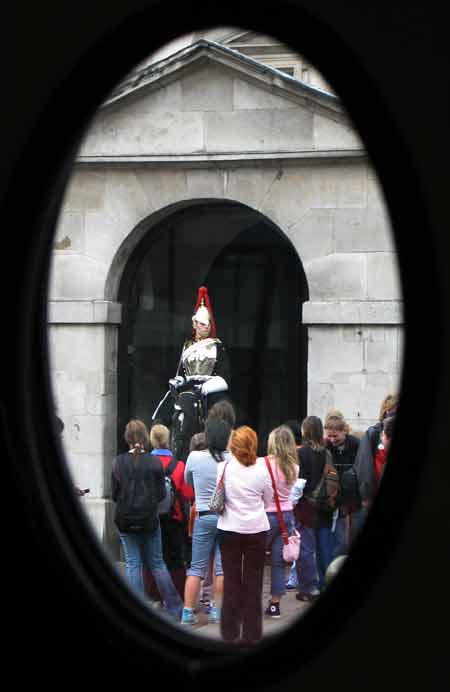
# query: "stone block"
320,398
135,134
205,183
208,89
163,187
86,470
352,312
69,234
77,348
383,278
312,235
163,99
380,356
90,434
258,130
250,185
330,354
337,277
329,135
339,185
76,277
248,96
69,394
361,230
85,190
288,197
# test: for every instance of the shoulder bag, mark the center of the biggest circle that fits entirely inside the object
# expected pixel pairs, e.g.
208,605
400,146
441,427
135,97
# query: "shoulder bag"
291,547
217,501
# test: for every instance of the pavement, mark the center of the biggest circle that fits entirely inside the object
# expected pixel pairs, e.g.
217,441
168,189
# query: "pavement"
290,609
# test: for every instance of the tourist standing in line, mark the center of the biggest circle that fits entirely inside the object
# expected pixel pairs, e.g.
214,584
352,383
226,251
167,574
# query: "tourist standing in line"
243,529
314,526
282,456
137,482
343,448
201,473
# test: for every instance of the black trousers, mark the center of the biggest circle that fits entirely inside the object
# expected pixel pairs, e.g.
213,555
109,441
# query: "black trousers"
191,421
243,570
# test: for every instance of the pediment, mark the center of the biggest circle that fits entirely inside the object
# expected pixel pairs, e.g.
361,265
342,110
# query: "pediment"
195,57
207,100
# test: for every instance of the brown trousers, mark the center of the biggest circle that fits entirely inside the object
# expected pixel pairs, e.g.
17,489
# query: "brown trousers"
243,570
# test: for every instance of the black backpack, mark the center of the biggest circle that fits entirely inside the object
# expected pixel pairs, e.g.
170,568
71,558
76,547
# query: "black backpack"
325,495
167,504
136,507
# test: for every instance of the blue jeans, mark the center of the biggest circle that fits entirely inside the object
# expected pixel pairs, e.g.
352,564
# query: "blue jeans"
324,542
306,565
340,542
205,547
146,548
274,540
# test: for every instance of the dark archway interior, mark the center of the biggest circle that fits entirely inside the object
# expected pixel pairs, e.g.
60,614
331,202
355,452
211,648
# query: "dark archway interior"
256,285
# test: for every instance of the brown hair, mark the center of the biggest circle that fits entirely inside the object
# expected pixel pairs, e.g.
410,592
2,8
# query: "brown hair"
224,410
243,445
159,436
388,426
136,436
389,403
198,442
281,445
312,432
333,421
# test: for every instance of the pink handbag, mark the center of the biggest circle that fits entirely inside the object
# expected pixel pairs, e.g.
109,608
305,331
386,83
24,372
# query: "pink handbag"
291,547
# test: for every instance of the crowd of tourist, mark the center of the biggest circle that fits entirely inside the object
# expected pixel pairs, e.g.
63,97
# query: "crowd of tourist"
189,555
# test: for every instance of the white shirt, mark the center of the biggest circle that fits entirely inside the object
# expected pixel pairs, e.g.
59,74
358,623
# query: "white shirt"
248,491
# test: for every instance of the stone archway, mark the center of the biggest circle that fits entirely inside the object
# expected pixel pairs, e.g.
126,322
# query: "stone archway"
256,284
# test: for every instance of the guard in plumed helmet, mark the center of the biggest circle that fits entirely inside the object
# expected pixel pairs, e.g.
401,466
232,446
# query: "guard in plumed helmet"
202,378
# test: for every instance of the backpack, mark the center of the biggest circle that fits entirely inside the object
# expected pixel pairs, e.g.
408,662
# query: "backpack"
167,504
325,495
136,506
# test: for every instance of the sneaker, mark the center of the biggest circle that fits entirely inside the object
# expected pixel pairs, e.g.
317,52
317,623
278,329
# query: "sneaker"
214,614
188,617
273,610
290,587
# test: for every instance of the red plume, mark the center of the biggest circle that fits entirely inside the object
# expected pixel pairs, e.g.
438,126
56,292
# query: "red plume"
203,297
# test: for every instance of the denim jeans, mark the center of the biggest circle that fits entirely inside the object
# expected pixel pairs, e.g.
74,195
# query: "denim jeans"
146,548
340,538
205,547
306,565
274,541
324,542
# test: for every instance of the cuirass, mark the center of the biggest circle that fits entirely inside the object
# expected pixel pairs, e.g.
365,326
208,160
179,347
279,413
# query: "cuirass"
200,358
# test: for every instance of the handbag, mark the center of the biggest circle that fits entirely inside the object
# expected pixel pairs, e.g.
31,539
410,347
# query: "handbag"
291,544
217,501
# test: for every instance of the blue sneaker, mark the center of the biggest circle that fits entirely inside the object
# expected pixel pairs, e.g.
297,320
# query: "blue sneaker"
214,614
188,617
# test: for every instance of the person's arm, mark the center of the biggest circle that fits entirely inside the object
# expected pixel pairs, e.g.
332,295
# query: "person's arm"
115,480
183,488
188,475
363,467
267,490
223,364
297,490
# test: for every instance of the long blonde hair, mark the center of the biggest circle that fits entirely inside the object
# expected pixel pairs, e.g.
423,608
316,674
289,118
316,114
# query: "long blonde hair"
281,445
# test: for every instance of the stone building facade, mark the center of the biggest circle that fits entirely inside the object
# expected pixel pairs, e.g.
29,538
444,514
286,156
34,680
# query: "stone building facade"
219,121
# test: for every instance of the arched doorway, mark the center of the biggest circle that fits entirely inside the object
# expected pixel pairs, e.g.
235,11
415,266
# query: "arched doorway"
257,286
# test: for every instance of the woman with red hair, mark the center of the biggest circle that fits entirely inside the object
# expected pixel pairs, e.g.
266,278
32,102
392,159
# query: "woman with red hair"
242,530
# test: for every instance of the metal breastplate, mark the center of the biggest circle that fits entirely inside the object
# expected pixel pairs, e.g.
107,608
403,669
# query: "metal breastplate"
200,358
